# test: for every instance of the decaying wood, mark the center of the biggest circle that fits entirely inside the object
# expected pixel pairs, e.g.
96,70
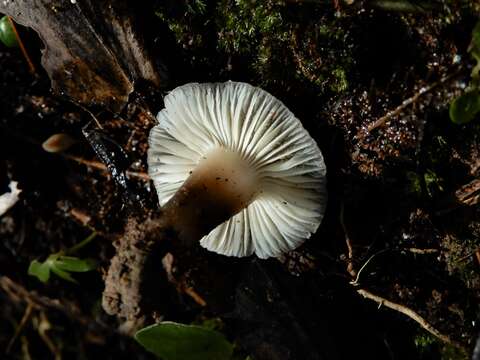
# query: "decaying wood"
93,50
469,194
466,195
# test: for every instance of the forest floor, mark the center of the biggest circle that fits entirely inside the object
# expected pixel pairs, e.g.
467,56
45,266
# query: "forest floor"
372,84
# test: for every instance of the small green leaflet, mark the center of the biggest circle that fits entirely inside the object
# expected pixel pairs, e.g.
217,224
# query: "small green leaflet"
464,108
61,266
174,341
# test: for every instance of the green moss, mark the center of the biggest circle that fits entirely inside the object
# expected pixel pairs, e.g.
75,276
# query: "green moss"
283,45
451,353
459,253
181,29
414,183
432,182
424,342
339,83
429,347
244,23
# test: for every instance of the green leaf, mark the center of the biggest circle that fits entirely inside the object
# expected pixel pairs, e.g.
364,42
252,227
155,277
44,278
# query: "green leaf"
40,270
62,274
7,34
475,44
464,108
74,264
174,341
60,265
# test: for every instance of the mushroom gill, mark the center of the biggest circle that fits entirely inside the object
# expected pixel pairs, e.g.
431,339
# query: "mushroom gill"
234,167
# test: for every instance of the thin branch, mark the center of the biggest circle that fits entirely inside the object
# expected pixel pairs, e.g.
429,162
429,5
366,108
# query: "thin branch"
181,286
194,295
422,251
31,66
102,167
26,316
412,315
406,103
357,278
19,294
350,268
42,328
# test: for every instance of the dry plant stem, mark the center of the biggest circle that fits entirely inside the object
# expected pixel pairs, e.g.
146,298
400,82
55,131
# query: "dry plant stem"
18,294
403,309
422,251
42,329
406,103
413,315
350,268
102,167
24,348
26,316
357,278
31,66
181,286
194,295
391,305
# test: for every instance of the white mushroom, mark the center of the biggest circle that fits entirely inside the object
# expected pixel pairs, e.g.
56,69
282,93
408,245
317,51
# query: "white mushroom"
235,147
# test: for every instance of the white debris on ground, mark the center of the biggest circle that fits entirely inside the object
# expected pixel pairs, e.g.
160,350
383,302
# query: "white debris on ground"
9,199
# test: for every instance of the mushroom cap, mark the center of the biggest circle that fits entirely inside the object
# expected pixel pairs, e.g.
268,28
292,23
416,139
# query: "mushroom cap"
290,202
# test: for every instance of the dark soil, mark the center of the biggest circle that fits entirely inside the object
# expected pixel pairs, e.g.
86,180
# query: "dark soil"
392,190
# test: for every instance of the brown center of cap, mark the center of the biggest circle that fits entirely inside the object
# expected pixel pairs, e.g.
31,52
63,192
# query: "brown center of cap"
221,185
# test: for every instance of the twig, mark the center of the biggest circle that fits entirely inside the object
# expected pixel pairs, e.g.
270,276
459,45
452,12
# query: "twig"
350,268
357,278
389,304
26,316
422,251
102,167
31,66
80,216
19,294
465,257
25,351
167,262
424,90
81,107
194,295
412,315
42,328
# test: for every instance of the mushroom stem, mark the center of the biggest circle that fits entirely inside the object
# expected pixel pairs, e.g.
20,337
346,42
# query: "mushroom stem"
221,185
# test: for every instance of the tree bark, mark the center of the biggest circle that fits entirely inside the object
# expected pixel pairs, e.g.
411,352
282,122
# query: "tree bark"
94,50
